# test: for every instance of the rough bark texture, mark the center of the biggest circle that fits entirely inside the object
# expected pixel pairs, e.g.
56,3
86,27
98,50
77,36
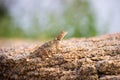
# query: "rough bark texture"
96,58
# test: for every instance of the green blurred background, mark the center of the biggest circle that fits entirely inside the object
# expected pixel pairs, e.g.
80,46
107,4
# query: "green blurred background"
46,19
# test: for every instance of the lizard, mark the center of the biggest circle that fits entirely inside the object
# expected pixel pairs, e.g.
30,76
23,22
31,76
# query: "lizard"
50,46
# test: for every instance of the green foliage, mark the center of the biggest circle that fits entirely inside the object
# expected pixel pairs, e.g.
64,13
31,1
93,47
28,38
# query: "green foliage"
8,29
78,20
77,17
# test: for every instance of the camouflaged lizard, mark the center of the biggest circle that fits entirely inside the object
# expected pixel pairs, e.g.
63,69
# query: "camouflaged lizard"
50,47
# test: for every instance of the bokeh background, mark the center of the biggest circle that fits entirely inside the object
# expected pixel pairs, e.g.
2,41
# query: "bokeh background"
44,19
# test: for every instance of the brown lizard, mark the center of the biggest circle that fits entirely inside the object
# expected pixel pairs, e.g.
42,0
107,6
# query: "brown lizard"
56,41
50,47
